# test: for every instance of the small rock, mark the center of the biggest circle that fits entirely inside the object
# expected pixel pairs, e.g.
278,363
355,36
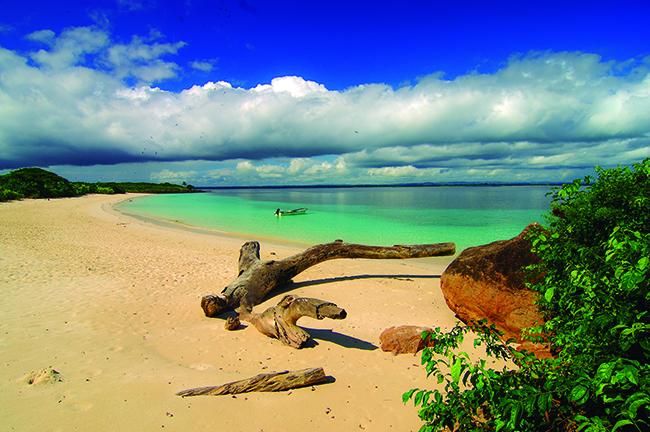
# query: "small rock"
405,339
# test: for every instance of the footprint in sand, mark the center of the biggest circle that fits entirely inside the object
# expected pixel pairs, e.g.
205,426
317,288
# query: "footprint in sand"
201,366
43,376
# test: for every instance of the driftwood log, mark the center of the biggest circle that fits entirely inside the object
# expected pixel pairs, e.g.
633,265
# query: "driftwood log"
280,321
257,279
269,382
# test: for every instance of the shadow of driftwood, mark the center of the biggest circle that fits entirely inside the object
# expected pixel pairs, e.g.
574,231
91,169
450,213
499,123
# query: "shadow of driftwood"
406,277
340,339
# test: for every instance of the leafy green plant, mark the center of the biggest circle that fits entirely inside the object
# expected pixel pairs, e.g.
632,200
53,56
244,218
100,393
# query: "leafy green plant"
36,183
40,183
8,195
593,284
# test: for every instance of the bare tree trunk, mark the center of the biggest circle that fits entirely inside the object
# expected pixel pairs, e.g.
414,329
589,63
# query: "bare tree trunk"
279,321
257,278
275,381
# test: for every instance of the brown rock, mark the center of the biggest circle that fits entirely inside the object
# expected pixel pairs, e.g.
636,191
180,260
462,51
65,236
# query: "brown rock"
403,339
488,282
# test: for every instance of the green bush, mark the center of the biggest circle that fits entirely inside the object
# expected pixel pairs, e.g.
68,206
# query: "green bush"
37,183
8,195
592,278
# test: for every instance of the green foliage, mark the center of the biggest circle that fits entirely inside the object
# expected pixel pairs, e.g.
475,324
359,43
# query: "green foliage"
8,195
124,187
593,284
131,187
36,183
39,183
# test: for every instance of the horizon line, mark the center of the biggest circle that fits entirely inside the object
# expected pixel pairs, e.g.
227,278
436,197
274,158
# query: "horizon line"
366,185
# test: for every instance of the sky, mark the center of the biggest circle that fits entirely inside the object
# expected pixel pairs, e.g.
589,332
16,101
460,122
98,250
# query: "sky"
243,92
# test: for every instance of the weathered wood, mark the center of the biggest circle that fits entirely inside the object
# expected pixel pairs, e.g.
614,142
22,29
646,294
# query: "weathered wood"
267,382
257,278
232,323
279,321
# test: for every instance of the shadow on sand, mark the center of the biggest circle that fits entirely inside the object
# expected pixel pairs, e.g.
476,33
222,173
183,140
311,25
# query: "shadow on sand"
339,339
404,277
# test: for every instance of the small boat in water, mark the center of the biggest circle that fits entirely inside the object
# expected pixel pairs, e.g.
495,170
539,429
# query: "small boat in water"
298,211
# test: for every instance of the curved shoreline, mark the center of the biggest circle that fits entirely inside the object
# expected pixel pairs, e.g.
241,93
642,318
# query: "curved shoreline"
112,303
178,225
265,240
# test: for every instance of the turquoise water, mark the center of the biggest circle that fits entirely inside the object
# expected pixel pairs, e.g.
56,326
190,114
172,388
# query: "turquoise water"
466,215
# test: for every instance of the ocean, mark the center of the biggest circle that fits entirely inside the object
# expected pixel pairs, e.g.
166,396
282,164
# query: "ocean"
466,215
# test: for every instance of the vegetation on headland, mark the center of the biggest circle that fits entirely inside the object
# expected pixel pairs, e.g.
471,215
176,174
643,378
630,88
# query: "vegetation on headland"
593,285
40,183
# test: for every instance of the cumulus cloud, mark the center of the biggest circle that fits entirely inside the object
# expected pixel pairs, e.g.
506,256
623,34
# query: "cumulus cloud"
171,176
142,59
68,49
84,99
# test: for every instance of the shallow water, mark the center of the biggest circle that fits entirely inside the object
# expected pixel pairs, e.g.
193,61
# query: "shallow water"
466,215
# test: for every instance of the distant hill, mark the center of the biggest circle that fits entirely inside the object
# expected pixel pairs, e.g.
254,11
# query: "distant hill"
123,187
34,183
40,183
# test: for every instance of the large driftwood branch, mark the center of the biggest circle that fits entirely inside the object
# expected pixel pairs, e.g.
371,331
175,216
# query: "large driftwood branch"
275,381
279,321
257,278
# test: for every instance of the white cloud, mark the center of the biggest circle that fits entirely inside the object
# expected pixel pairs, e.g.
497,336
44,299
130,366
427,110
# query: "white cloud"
43,36
245,166
70,47
293,85
203,66
395,171
170,176
539,112
141,59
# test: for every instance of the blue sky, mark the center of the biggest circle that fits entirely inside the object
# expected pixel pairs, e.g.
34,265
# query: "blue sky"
287,92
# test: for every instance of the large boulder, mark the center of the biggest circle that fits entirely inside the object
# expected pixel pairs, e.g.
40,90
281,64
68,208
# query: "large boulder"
489,282
404,339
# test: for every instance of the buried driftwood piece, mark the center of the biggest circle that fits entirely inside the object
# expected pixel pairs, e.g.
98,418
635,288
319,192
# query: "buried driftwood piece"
268,382
232,323
280,321
257,279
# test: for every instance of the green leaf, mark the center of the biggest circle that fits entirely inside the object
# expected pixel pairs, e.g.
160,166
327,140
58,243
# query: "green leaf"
619,424
418,397
455,371
548,294
407,395
579,394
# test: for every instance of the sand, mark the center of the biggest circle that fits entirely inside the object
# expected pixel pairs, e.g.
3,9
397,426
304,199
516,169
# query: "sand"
100,312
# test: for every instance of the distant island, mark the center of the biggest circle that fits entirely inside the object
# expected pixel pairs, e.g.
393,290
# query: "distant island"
380,185
40,183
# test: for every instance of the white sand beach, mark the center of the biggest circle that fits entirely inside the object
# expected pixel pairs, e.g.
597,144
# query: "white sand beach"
113,304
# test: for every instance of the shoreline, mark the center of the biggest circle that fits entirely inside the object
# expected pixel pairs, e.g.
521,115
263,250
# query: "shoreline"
112,303
180,226
263,239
